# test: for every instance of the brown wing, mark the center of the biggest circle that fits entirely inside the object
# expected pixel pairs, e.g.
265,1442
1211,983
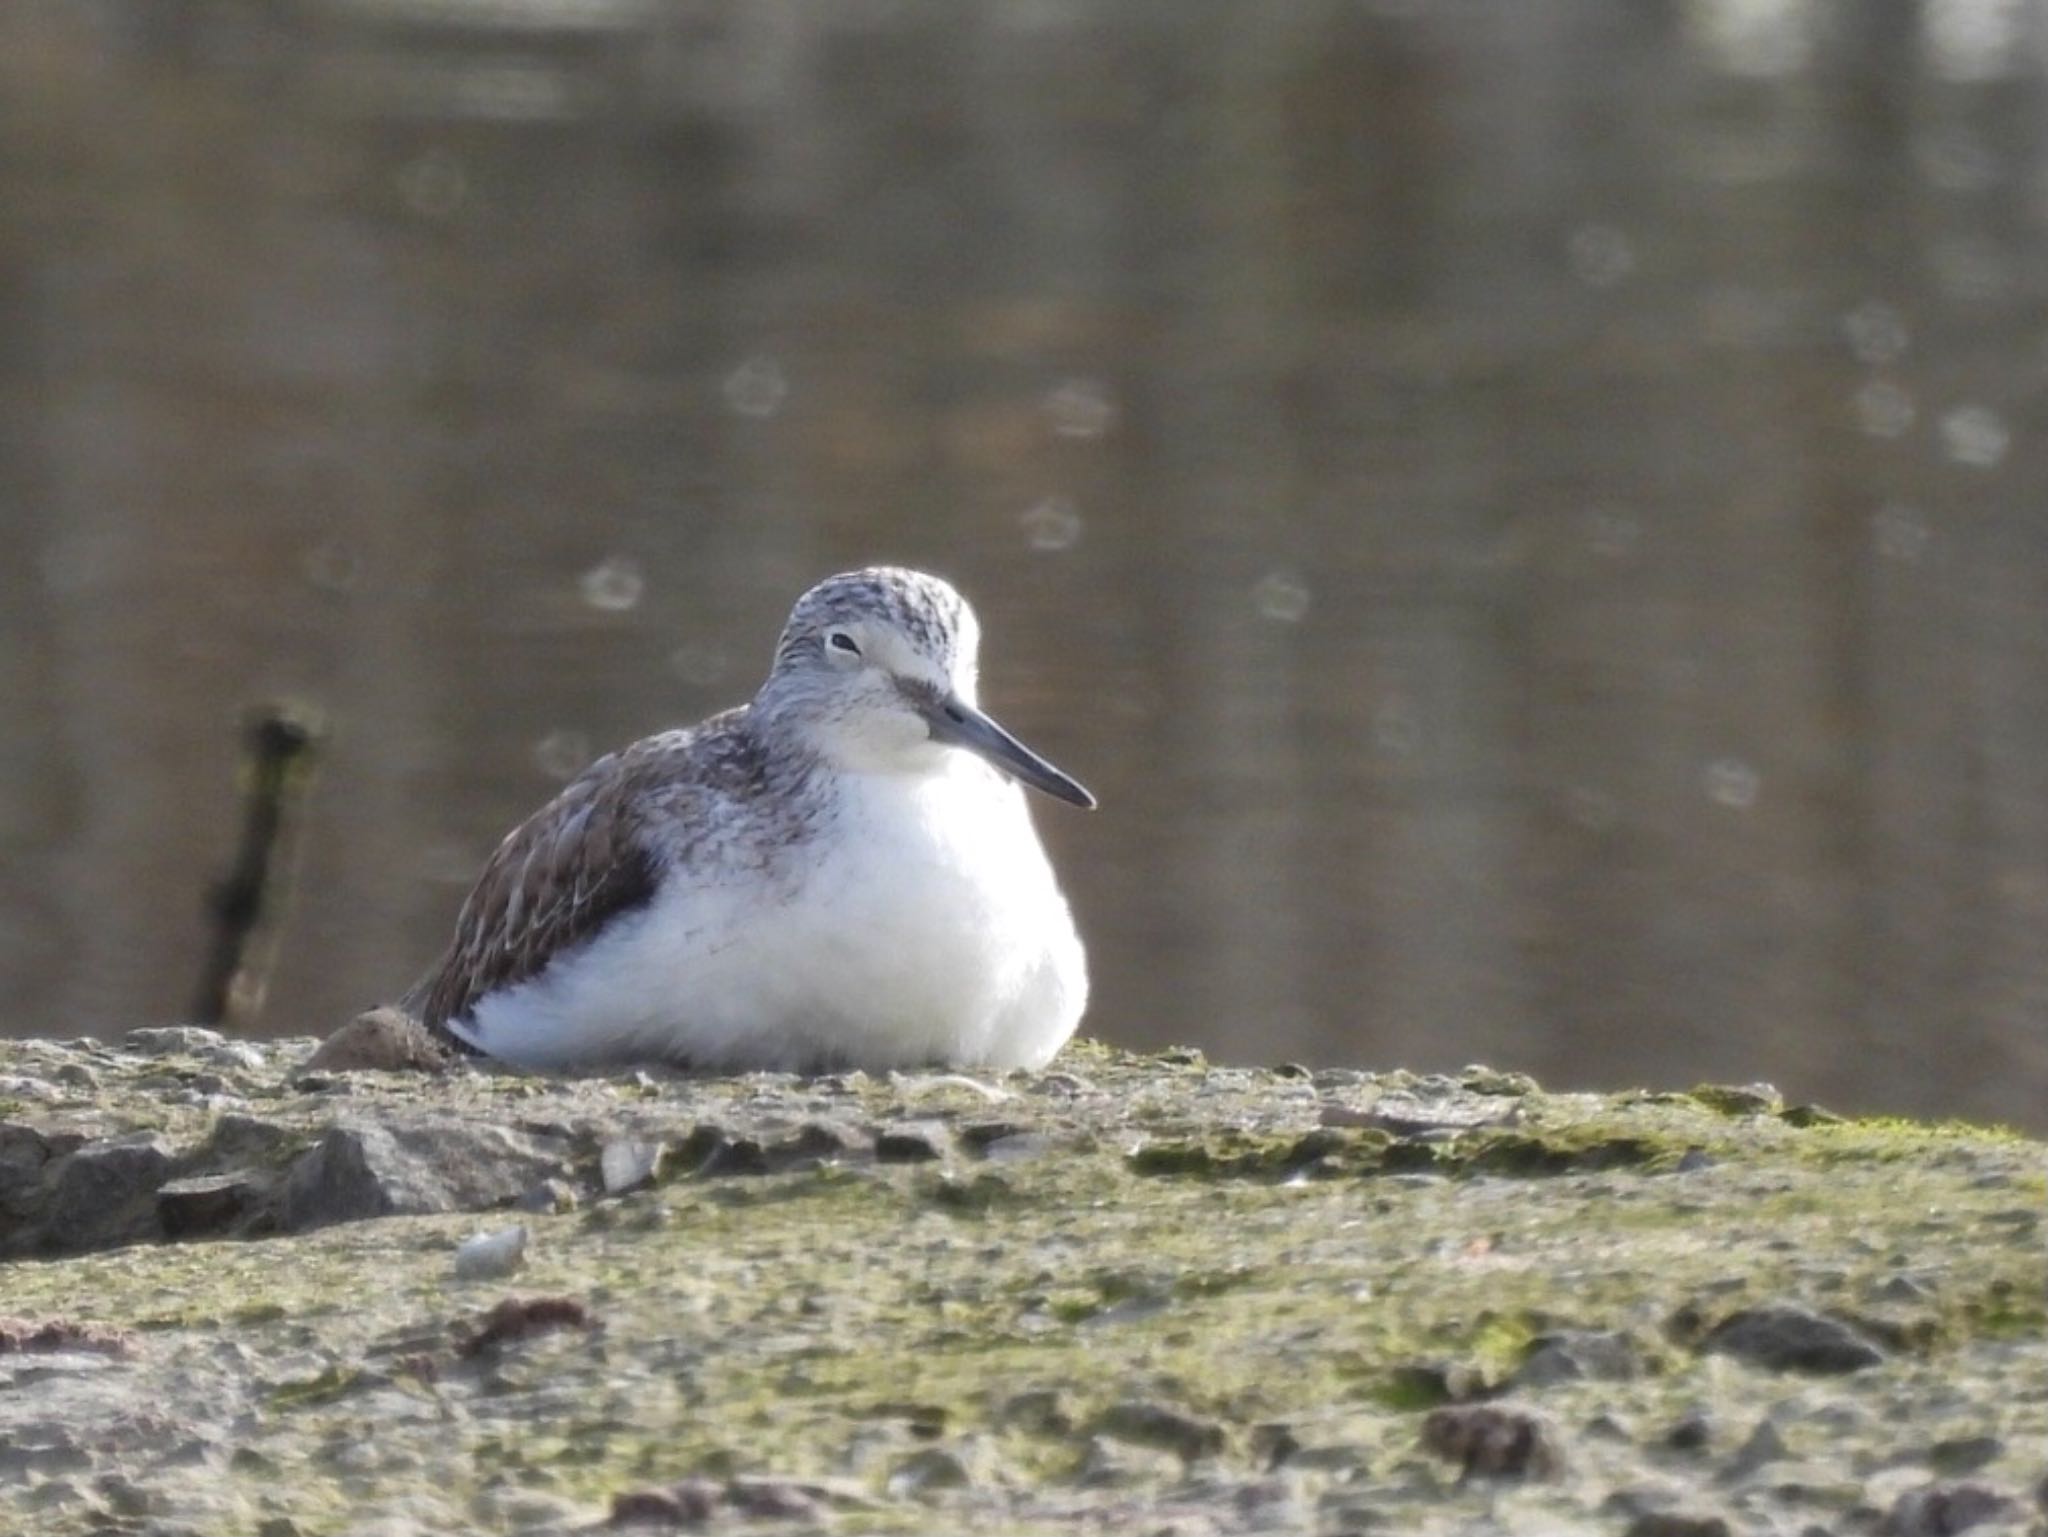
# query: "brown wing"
555,880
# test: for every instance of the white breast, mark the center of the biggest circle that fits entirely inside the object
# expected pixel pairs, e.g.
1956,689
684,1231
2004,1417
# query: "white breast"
921,925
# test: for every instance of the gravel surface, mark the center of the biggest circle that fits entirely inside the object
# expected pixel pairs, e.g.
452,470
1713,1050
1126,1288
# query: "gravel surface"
1127,1294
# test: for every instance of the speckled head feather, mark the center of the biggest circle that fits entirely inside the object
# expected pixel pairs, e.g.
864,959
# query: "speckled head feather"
928,612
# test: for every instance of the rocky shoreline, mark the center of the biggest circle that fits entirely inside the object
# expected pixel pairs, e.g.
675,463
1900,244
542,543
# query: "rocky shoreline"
1128,1294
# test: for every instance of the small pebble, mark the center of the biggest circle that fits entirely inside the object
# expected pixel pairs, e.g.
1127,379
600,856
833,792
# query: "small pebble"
1902,1288
628,1163
490,1256
1941,1510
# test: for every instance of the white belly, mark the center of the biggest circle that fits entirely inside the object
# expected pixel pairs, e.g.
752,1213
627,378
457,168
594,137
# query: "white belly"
922,926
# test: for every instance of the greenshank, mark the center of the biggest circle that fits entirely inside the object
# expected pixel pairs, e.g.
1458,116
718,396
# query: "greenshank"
841,874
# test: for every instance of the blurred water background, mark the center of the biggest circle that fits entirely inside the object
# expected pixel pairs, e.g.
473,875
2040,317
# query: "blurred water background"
1528,512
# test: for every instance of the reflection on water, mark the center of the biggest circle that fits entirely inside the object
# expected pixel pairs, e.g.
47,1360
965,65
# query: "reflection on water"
1525,511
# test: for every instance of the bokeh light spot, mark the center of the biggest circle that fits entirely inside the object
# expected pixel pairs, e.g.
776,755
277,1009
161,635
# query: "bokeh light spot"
1601,255
1976,436
1732,783
757,388
1884,409
562,754
1053,525
614,584
1081,408
1877,333
1281,597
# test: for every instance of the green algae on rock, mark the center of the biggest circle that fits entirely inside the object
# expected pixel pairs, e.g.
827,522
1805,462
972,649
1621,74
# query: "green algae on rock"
1187,1293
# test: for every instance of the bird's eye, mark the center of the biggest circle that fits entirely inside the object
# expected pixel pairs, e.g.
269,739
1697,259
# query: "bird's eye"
839,640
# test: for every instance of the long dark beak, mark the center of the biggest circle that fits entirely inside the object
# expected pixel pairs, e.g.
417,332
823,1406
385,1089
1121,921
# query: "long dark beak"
959,724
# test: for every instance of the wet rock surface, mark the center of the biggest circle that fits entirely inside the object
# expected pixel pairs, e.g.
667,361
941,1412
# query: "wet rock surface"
246,1295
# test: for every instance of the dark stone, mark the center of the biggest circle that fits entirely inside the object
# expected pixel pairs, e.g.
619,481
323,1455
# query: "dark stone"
104,1195
1494,1441
1576,1355
23,1153
124,1497
208,1205
1632,1500
1809,1115
913,1142
1964,1454
1108,1466
690,1503
1274,1446
1792,1339
518,1318
246,1139
1694,1432
364,1170
1740,1099
1479,1079
1144,1423
936,1467
976,1136
22,1336
711,1152
1675,1524
47,1455
1038,1411
774,1499
548,1197
1941,1510
817,1142
1763,1447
